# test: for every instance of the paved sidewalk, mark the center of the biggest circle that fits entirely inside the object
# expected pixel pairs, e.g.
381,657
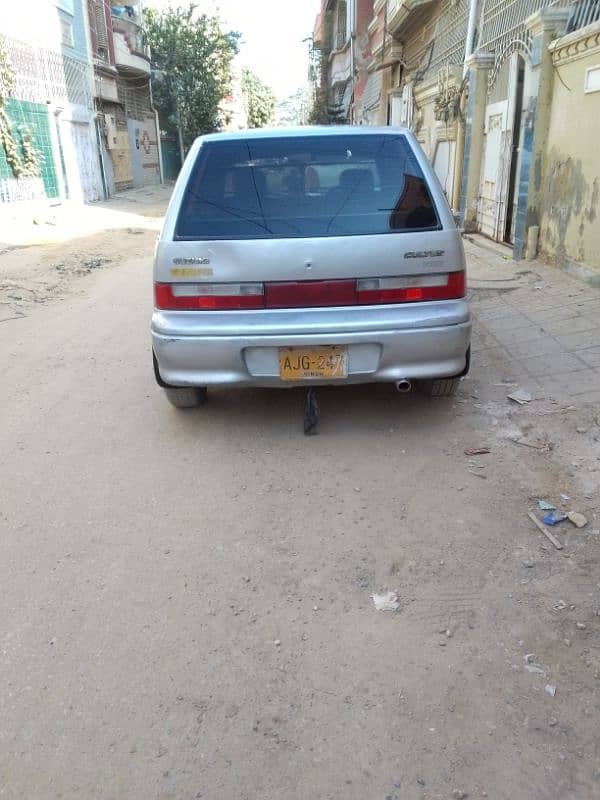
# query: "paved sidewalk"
543,323
44,223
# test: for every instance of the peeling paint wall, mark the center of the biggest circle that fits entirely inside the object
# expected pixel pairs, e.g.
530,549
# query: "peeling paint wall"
569,213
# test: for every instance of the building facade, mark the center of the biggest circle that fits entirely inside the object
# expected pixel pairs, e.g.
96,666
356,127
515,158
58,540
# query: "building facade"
482,85
128,133
50,150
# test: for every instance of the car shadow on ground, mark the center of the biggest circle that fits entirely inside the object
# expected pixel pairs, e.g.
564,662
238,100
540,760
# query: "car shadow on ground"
368,409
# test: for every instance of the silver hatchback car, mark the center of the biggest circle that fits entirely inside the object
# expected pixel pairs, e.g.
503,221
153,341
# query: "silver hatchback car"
307,256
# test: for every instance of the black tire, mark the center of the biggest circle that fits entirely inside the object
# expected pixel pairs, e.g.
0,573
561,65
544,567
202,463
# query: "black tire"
440,387
186,396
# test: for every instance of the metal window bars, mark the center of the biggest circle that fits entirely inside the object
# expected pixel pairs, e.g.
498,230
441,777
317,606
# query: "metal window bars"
585,13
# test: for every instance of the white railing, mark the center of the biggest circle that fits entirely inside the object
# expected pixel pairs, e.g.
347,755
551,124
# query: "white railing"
585,12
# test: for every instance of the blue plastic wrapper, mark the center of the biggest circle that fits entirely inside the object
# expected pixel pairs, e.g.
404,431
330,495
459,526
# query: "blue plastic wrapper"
554,517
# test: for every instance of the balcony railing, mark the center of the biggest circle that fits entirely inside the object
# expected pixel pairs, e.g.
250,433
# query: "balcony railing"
133,34
584,13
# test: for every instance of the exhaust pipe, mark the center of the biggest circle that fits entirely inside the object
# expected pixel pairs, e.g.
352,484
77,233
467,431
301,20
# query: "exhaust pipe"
403,386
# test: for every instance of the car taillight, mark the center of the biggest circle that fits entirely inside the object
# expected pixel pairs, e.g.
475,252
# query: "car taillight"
310,294
208,296
411,288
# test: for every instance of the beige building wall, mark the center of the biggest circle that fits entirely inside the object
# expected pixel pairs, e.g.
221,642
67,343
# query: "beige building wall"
570,210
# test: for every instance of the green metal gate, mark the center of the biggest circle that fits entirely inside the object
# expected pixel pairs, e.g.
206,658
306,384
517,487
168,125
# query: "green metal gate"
33,118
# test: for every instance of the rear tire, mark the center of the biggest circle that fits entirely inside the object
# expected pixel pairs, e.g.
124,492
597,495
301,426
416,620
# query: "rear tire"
186,396
439,387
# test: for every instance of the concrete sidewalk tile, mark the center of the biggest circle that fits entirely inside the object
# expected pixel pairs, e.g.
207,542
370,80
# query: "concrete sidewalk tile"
482,342
575,383
492,316
543,346
589,306
588,397
510,322
564,327
590,357
551,365
540,301
566,312
490,356
579,341
507,337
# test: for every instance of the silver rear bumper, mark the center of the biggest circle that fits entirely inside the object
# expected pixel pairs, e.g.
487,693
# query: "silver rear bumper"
385,343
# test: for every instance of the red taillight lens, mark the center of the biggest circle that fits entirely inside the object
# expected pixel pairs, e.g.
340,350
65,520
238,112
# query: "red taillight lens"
411,288
310,294
208,297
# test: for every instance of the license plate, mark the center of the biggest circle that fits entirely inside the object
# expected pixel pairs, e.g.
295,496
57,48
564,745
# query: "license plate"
313,363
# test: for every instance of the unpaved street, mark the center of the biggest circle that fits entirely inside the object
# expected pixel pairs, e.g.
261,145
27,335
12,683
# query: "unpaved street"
186,596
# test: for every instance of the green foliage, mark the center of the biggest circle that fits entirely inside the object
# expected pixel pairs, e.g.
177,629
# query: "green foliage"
191,63
31,157
28,165
259,100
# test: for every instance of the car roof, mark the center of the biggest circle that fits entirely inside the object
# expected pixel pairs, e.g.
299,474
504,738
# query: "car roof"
301,132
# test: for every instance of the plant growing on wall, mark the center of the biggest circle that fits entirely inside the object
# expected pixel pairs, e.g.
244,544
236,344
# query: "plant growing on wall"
326,110
28,165
31,157
447,103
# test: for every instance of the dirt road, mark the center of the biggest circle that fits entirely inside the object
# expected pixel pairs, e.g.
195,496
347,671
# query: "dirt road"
186,597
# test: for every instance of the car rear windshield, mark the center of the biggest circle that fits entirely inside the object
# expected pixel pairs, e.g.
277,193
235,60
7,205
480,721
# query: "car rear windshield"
287,187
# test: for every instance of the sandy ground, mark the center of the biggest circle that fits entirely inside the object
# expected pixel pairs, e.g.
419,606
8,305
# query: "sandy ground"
187,607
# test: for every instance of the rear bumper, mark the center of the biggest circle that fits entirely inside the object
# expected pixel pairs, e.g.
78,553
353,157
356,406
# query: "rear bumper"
385,343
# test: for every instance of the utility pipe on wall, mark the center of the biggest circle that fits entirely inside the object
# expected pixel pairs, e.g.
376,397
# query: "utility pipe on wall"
470,41
460,133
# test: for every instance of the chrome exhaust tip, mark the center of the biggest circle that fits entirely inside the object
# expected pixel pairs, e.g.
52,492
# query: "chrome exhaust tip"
403,386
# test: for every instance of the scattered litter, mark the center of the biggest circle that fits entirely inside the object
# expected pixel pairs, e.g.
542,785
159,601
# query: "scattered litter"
277,642
520,396
581,626
565,497
577,519
531,665
544,505
545,531
547,447
386,602
554,517
477,474
553,722
560,606
535,668
551,690
477,451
